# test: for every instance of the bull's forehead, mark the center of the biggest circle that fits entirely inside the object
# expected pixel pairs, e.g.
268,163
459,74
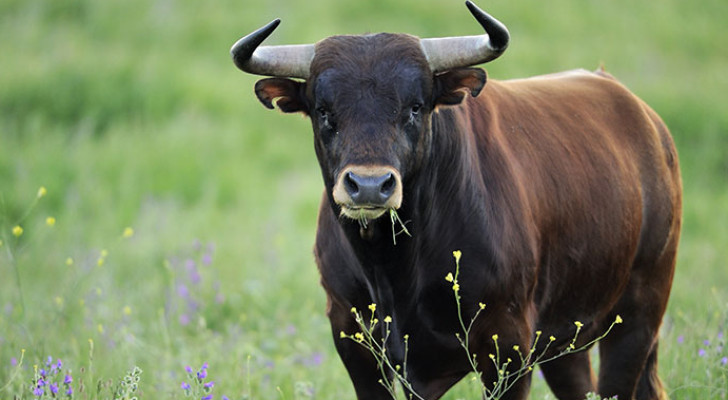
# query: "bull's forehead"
368,51
386,68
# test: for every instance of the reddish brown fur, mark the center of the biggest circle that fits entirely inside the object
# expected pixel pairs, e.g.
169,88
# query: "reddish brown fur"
562,191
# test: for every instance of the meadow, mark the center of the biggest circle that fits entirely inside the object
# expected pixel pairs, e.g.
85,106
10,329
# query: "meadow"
154,215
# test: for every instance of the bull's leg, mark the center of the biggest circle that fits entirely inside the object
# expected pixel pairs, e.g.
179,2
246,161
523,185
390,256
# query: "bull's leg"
513,331
623,354
570,377
628,366
359,362
650,385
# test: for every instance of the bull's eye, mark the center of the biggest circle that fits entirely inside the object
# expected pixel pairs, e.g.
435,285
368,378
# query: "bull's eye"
324,117
414,113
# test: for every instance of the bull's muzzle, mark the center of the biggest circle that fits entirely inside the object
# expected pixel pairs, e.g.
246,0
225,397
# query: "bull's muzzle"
367,192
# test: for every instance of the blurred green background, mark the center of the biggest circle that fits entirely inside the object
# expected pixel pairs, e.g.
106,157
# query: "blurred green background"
132,114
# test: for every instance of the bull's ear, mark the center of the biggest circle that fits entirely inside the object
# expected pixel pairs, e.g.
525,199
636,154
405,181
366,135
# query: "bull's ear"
452,86
290,94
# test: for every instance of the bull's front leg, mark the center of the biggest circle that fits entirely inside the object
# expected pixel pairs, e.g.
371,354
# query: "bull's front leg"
359,361
514,340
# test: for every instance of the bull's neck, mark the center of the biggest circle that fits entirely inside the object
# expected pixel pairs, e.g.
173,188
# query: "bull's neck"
442,211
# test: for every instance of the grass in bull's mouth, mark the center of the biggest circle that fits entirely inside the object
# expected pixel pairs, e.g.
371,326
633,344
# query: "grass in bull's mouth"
394,218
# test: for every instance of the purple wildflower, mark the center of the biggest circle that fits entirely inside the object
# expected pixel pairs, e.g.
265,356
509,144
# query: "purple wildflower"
182,291
314,360
188,369
724,361
225,398
680,339
706,342
54,388
186,386
38,391
69,392
206,259
67,380
701,353
208,397
14,362
209,385
202,374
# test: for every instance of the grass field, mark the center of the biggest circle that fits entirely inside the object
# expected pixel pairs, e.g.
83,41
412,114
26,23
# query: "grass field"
131,115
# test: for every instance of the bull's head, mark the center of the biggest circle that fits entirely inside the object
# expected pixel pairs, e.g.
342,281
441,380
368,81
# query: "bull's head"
370,99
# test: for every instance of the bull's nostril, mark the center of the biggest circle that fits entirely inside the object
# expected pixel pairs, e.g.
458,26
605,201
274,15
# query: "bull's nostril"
350,184
370,190
388,185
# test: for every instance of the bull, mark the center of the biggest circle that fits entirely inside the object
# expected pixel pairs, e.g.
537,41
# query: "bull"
562,191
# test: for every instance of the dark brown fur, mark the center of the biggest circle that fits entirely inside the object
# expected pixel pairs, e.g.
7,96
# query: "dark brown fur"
562,191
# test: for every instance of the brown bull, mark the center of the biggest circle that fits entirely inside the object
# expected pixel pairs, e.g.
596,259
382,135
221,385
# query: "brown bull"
562,191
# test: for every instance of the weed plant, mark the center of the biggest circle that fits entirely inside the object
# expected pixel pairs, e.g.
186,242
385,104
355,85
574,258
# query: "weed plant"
509,371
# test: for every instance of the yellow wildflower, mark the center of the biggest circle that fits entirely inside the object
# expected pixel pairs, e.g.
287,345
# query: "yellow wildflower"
455,287
342,334
50,221
495,337
516,347
128,232
551,338
359,336
353,310
69,261
618,320
578,324
481,305
388,319
42,191
127,310
17,231
457,254
373,307
449,277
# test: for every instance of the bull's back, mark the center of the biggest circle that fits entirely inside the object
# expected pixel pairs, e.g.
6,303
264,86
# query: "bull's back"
598,172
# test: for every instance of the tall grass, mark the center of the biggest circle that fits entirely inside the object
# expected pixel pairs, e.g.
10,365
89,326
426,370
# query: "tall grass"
131,114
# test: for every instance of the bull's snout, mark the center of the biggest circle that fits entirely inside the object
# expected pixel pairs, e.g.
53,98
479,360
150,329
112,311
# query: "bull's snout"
368,191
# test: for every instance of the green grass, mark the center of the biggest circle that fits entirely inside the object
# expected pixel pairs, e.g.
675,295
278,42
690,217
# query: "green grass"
131,114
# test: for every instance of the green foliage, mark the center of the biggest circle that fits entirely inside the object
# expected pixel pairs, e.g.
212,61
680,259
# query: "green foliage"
131,114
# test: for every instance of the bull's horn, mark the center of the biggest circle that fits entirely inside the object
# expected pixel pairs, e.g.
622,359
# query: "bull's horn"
291,61
454,52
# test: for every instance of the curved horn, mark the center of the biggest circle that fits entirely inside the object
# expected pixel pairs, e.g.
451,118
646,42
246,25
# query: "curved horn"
454,52
291,61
